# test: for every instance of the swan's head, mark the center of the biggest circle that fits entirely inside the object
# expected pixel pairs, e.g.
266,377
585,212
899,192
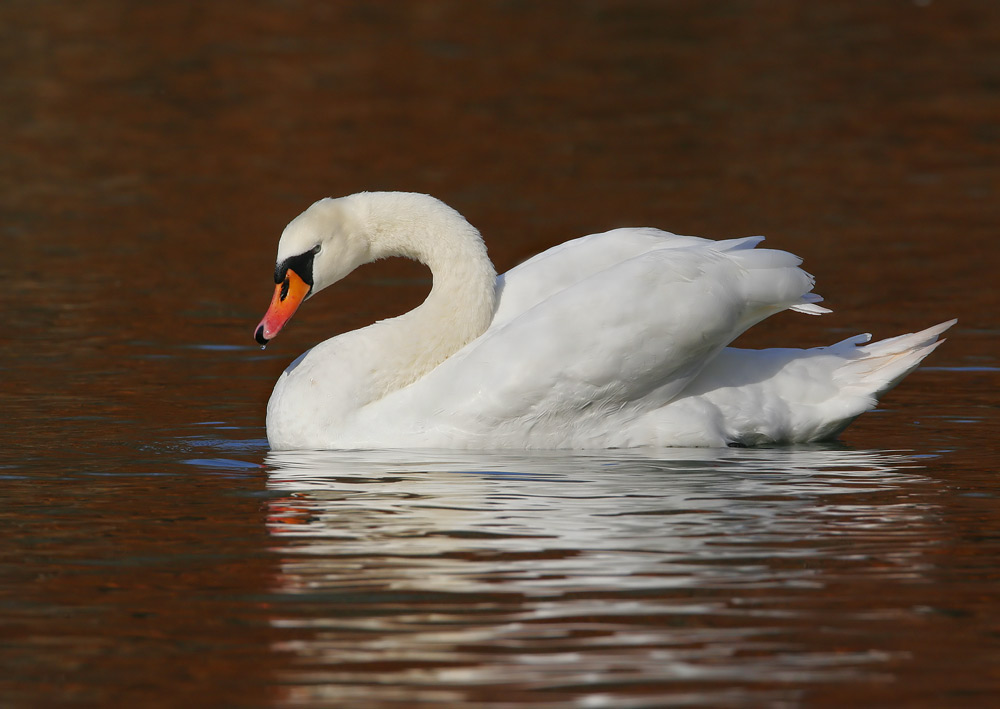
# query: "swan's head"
317,248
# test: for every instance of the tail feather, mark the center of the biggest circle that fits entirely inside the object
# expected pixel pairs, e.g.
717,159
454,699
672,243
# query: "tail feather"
878,367
791,395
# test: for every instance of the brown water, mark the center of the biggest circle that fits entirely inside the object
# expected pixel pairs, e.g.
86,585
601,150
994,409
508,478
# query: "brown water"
154,553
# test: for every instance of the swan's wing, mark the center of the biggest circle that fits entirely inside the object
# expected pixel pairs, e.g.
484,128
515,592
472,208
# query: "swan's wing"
631,335
562,266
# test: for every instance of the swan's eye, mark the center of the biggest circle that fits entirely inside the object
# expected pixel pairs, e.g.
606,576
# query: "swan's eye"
301,264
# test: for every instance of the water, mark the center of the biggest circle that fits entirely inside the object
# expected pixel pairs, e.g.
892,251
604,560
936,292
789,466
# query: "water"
701,577
154,553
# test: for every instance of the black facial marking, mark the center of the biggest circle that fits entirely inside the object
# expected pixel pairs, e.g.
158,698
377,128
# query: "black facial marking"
284,290
301,264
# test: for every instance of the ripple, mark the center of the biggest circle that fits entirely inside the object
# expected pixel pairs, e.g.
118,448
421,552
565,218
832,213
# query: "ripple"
604,574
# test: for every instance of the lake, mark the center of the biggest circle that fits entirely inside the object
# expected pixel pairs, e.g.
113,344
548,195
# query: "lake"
154,551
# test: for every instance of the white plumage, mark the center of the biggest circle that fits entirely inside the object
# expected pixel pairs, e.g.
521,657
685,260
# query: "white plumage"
616,339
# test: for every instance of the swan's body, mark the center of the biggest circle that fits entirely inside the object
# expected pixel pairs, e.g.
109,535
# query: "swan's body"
611,340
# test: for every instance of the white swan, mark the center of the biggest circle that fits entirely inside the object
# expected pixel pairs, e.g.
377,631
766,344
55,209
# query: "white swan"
610,340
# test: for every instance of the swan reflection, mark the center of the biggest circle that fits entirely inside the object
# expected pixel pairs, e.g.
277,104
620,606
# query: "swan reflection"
473,570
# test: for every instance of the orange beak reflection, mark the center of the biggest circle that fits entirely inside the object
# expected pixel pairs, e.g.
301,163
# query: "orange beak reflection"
288,295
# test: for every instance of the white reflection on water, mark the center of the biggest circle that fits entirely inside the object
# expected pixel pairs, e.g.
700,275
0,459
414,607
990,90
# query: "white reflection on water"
450,572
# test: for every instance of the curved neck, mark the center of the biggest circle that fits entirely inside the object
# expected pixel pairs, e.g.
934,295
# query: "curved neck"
462,300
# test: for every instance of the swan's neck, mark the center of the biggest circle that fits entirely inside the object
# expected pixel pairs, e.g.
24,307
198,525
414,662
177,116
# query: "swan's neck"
462,300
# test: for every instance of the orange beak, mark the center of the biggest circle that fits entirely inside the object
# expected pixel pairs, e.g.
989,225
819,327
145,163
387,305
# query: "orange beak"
288,295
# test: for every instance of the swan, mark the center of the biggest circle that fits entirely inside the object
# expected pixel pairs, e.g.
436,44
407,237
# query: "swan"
613,340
